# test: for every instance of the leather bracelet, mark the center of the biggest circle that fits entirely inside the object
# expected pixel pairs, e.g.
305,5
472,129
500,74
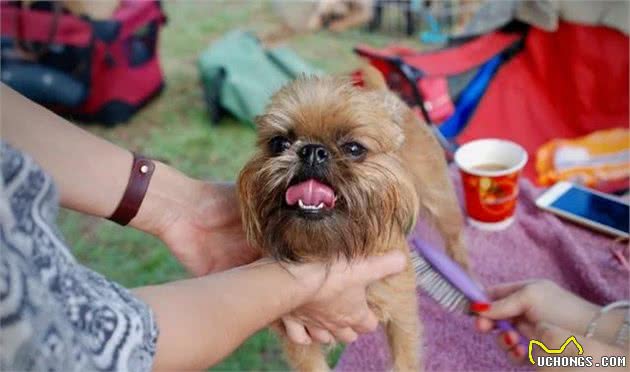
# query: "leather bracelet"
141,172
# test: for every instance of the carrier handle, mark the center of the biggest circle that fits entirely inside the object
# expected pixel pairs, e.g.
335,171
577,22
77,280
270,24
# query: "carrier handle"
29,51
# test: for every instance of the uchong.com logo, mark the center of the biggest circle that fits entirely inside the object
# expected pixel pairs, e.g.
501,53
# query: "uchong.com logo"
554,357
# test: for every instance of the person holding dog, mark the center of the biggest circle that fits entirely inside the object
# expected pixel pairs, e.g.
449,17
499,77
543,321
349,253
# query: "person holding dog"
59,314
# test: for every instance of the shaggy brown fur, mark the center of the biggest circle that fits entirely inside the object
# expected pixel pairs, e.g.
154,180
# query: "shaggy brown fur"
379,194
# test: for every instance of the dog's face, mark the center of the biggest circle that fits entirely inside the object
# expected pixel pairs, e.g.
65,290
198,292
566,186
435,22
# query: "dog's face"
327,179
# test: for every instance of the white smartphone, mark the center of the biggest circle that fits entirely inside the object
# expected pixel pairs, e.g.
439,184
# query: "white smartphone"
588,207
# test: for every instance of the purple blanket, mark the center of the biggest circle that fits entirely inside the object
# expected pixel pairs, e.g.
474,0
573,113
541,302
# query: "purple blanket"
537,245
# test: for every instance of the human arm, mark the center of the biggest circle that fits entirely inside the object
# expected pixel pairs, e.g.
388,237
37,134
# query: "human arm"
202,320
199,221
540,308
90,173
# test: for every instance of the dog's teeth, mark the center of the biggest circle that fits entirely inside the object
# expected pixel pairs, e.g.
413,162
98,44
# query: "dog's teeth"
310,207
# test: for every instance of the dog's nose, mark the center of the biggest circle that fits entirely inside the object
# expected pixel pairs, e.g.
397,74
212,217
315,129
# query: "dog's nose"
314,154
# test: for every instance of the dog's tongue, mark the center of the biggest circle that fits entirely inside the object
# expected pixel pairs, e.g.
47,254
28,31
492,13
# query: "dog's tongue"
310,192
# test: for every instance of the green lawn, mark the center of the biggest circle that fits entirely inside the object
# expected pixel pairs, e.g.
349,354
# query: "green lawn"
175,128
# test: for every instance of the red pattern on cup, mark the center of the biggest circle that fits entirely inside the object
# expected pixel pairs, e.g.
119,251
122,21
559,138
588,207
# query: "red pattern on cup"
490,199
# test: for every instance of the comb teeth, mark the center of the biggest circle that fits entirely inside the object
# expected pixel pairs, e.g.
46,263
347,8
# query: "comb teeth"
437,286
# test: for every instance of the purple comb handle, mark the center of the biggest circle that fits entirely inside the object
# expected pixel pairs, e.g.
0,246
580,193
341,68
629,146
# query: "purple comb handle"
459,279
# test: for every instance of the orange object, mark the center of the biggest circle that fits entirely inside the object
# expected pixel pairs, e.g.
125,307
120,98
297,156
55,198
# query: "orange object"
595,159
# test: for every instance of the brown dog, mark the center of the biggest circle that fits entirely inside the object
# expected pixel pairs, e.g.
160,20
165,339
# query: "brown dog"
344,171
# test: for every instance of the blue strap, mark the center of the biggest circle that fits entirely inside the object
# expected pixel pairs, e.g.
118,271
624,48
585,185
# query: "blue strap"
469,98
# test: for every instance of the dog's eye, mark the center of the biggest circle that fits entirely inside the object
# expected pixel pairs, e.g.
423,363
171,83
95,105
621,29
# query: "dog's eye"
279,144
353,149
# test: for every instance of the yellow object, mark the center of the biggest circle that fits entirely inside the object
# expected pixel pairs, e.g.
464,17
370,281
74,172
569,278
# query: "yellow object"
599,157
553,351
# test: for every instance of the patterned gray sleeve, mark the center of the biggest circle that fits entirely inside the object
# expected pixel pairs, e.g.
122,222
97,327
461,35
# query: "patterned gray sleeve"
55,314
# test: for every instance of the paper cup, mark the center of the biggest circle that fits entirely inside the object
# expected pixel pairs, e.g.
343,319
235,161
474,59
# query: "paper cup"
490,169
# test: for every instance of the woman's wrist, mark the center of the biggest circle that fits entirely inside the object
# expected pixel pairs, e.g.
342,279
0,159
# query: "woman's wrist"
606,326
167,196
309,277
302,280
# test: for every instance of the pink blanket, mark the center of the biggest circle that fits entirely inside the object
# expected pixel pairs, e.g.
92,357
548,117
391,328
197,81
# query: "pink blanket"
537,245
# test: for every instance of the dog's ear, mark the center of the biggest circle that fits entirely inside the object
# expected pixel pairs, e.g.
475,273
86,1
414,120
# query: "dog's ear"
374,82
372,78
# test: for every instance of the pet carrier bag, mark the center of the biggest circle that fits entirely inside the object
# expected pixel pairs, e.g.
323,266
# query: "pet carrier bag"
529,89
444,86
93,70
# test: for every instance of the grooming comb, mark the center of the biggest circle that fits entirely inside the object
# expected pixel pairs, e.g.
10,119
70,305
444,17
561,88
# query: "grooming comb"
448,284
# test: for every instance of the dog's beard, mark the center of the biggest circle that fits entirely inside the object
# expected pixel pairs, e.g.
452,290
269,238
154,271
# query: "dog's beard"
369,206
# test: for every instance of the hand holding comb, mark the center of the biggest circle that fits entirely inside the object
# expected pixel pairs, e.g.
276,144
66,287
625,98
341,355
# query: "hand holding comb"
448,284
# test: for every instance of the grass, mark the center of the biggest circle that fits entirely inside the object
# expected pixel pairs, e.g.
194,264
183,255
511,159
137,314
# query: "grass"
175,128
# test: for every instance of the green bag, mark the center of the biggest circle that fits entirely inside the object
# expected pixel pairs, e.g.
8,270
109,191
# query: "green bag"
239,75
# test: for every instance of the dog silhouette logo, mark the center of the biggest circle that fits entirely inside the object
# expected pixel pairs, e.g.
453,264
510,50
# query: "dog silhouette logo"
547,350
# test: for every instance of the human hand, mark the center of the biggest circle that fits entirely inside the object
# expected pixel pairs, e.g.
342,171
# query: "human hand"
339,309
534,307
199,221
208,236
